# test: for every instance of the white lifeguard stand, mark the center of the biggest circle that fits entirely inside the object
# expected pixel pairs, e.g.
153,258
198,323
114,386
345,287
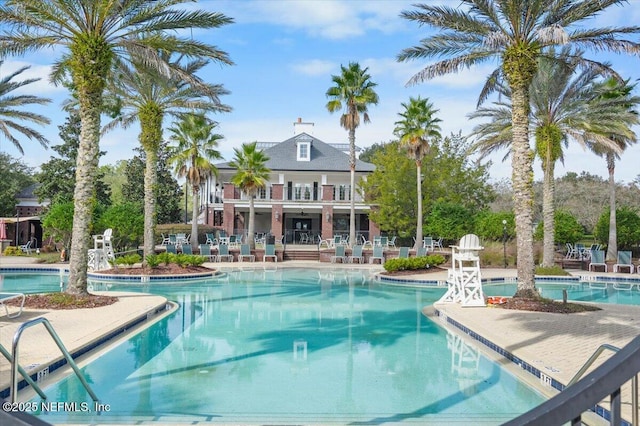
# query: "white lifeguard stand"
102,252
464,279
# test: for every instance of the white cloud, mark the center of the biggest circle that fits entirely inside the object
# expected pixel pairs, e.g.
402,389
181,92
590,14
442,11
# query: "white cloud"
314,67
42,87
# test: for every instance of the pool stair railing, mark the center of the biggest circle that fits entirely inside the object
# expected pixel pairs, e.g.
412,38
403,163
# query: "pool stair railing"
13,358
583,395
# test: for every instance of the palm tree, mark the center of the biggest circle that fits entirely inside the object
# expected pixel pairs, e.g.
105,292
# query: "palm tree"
93,35
196,145
353,90
11,112
252,175
562,109
618,93
516,33
146,96
417,127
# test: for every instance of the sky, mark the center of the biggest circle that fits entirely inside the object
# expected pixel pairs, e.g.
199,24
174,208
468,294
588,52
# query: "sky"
285,52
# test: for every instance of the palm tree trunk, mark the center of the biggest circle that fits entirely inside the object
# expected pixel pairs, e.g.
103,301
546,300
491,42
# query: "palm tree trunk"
419,191
548,214
251,229
194,216
150,182
89,66
352,167
522,181
612,246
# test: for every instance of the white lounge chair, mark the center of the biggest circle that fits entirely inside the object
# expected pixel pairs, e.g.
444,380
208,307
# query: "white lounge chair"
356,255
378,254
624,261
5,297
339,254
270,253
597,259
26,248
245,253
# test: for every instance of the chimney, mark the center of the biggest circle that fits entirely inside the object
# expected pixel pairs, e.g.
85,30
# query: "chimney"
302,127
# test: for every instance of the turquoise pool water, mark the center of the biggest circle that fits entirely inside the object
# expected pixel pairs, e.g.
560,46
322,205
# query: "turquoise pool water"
290,346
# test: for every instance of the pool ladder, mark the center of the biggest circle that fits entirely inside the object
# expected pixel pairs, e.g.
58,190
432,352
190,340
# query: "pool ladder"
634,381
15,366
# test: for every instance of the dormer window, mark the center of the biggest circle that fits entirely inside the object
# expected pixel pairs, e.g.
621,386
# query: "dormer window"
303,151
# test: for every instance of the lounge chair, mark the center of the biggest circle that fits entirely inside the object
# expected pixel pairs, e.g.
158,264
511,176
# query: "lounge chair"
26,248
187,249
223,253
427,242
356,255
378,254
211,239
624,261
171,248
339,254
597,259
437,244
392,242
270,252
421,252
245,252
403,253
205,250
5,297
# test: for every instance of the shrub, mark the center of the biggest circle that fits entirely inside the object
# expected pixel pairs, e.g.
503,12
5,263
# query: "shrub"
553,270
13,251
627,228
129,260
153,260
413,263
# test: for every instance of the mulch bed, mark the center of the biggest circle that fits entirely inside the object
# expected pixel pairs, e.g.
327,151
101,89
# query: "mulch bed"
52,301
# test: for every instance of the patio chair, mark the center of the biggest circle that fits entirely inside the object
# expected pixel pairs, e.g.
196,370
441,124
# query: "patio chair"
356,254
245,252
597,259
378,254
171,248
624,261
403,253
26,248
392,242
173,239
421,252
187,249
339,254
223,253
571,252
205,250
165,239
270,252
365,242
384,242
5,297
437,244
211,239
427,242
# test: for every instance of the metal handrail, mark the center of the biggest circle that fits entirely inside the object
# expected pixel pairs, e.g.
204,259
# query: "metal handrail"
23,373
634,379
56,339
605,380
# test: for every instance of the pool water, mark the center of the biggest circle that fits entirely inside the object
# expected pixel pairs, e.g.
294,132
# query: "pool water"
291,346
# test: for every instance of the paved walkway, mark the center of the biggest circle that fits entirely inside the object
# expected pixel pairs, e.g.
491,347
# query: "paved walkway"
556,344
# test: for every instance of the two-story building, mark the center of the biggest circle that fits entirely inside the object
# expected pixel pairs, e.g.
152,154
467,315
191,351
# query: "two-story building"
307,196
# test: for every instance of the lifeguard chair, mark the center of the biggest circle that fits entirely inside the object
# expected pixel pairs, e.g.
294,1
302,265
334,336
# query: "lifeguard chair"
102,252
464,279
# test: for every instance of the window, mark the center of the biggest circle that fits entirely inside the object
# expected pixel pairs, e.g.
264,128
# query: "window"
303,151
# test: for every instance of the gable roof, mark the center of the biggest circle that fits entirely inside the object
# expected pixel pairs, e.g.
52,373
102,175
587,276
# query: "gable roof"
324,157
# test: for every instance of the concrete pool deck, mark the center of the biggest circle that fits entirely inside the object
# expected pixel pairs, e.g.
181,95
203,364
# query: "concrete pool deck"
557,345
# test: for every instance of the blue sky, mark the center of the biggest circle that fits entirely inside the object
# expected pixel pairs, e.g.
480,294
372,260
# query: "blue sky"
285,53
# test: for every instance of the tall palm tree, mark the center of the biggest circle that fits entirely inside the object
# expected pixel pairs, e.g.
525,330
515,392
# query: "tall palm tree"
93,35
354,91
196,145
563,108
618,93
417,127
252,175
515,33
12,111
146,96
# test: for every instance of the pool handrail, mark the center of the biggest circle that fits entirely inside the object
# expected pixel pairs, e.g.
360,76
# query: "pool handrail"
578,398
63,349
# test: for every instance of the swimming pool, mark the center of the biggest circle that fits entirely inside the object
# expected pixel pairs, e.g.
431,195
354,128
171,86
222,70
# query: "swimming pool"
291,346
